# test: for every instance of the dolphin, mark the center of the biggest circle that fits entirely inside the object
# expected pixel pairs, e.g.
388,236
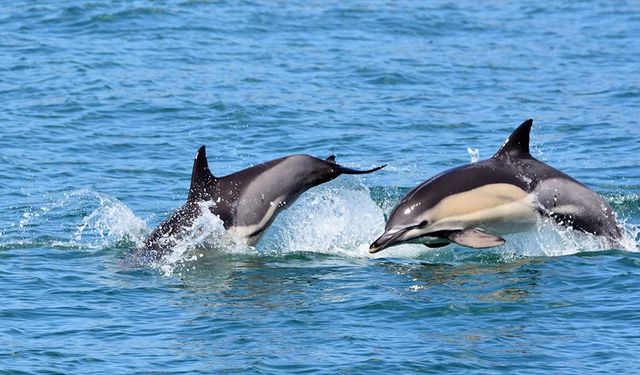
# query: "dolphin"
475,204
247,201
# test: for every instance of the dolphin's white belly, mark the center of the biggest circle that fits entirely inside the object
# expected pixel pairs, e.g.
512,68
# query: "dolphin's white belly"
495,208
248,231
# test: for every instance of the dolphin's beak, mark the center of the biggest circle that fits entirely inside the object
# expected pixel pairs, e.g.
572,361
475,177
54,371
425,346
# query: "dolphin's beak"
388,238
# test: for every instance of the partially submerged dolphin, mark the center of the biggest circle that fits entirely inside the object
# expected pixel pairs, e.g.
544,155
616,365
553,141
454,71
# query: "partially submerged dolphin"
247,201
474,204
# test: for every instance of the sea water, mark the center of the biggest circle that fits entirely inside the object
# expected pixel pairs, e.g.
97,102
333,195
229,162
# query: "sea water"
104,104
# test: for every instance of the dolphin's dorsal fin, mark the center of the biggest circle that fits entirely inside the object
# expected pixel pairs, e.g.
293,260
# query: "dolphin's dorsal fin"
331,159
201,177
517,145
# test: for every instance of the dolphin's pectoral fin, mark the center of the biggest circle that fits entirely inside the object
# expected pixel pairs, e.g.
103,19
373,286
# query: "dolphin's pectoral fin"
436,245
331,159
475,238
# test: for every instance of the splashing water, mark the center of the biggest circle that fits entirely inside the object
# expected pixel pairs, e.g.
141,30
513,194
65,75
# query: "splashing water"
474,153
336,219
205,236
111,223
340,218
551,239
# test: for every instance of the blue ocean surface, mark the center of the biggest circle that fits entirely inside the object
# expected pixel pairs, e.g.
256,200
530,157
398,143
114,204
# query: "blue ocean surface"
104,104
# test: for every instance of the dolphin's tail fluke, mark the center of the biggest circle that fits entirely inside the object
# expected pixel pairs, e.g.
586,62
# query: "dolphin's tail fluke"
344,170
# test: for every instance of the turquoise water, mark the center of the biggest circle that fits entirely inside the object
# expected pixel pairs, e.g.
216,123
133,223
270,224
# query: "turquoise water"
105,103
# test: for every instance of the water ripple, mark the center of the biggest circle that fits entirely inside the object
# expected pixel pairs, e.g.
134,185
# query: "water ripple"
105,104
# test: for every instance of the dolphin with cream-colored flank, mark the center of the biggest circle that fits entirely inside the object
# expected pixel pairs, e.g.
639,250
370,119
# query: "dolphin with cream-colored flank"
247,201
474,205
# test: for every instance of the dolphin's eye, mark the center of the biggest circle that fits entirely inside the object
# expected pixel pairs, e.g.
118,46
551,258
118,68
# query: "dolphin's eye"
423,224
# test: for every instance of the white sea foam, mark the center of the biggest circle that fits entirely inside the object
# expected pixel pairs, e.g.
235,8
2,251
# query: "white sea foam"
474,153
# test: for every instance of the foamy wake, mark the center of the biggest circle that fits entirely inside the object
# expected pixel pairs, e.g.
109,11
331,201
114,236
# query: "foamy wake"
339,218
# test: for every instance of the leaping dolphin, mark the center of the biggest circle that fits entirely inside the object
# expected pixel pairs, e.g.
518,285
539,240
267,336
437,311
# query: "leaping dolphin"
247,201
474,204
